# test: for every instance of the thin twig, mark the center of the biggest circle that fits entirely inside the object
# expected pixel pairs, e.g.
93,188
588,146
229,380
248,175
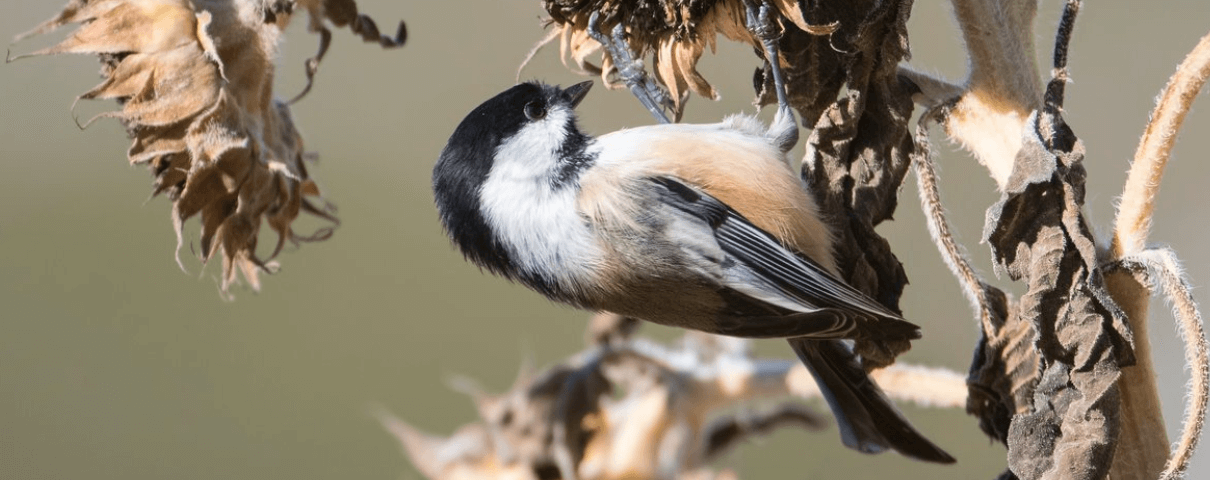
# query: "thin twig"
1137,204
934,213
1053,99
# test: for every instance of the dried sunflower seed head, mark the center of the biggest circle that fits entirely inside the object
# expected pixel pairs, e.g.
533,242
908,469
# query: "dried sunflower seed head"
194,81
675,32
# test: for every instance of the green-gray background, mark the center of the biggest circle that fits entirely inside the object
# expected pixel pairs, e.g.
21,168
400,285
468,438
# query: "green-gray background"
116,365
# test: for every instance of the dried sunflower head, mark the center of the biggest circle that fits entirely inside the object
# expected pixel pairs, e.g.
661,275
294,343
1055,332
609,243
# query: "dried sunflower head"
674,32
194,81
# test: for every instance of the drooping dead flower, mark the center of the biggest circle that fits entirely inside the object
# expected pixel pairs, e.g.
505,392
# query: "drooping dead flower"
194,81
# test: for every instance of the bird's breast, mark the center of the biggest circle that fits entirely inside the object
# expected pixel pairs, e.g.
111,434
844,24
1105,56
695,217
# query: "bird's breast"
551,247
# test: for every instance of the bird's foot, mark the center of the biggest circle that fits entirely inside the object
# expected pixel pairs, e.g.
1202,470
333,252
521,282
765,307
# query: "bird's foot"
761,22
630,69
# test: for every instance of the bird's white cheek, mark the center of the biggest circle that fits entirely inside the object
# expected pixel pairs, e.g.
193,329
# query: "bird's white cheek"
533,151
537,221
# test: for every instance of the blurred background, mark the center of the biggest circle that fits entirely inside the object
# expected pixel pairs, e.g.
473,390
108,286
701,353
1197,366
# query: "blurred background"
116,365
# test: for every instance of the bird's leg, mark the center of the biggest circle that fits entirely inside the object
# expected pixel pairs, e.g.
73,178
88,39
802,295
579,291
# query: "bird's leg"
784,129
630,70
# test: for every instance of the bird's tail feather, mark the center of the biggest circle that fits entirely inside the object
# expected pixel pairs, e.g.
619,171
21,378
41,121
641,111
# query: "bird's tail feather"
868,421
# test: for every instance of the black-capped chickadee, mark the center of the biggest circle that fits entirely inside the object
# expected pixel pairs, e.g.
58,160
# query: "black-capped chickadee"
695,226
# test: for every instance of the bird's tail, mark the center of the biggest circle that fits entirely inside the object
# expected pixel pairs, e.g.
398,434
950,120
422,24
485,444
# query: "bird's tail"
868,421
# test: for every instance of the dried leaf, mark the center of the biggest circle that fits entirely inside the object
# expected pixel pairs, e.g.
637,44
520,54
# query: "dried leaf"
341,13
1037,232
1003,374
859,147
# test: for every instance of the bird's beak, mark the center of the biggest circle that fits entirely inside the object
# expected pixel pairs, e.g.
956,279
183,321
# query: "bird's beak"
576,93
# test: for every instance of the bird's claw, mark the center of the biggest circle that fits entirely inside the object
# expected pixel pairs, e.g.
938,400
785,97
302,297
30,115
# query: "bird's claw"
760,21
630,70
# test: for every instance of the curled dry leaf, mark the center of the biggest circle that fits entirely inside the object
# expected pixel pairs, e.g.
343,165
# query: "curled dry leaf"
1046,376
194,80
1038,234
340,13
846,86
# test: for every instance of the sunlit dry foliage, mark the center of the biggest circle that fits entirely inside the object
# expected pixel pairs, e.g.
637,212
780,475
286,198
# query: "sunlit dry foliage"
1044,377
631,408
1063,375
1083,402
194,80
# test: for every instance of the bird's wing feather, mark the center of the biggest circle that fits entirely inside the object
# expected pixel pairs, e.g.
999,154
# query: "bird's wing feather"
766,269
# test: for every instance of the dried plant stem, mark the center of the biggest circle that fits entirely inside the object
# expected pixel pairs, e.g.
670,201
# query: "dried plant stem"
1159,268
1142,183
934,213
1004,86
1142,451
1143,441
923,386
1196,356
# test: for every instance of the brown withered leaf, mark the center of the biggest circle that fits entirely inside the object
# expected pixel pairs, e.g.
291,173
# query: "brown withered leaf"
1004,372
858,153
1037,232
1044,376
194,81
340,13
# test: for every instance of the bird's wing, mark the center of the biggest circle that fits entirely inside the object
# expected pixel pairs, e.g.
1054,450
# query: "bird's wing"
761,268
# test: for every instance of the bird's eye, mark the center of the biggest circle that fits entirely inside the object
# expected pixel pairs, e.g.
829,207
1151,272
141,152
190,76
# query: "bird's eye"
535,110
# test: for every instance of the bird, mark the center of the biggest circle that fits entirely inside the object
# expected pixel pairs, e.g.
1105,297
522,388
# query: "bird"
698,226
